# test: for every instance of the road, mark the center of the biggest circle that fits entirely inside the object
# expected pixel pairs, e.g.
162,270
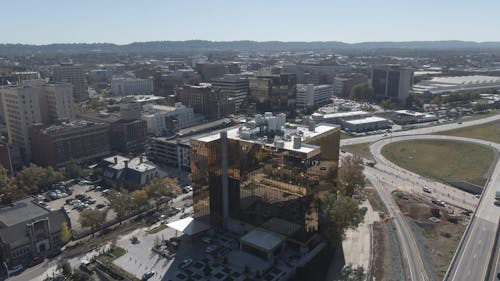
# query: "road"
471,260
413,260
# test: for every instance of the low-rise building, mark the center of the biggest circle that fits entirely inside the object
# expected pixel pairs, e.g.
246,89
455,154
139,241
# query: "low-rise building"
28,230
131,86
164,120
366,124
76,141
416,117
338,117
131,173
455,84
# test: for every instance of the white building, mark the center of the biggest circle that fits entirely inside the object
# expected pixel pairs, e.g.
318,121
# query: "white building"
131,86
309,95
34,101
418,116
456,84
162,120
366,124
338,117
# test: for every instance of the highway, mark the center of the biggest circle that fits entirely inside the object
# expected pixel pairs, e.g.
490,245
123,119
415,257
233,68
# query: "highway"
471,260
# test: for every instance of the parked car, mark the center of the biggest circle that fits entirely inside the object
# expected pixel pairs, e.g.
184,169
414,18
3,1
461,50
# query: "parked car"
206,239
100,206
15,270
427,189
148,275
210,249
37,260
439,202
185,263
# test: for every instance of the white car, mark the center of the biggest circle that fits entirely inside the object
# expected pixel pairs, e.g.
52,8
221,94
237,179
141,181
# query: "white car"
15,270
427,189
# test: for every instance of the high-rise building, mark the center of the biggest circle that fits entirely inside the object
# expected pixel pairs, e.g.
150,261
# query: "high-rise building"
309,95
265,171
274,92
236,87
78,141
392,82
343,85
32,102
57,102
209,71
131,86
207,100
73,74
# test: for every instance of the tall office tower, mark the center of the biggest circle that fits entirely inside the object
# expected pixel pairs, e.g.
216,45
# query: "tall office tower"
274,92
342,85
266,173
74,75
236,87
57,103
22,110
392,82
32,102
209,71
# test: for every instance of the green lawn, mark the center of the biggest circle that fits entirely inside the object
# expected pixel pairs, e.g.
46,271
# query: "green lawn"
344,136
442,160
117,252
488,131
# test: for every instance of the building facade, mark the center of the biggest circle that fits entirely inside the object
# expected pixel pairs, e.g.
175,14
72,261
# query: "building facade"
207,100
274,92
263,170
28,230
392,82
131,173
237,89
57,102
309,95
164,120
131,86
342,86
76,141
73,74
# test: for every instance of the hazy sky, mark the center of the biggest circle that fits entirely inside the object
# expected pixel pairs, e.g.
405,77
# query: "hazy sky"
125,21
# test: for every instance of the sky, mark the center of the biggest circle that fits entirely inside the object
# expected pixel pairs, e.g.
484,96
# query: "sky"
126,21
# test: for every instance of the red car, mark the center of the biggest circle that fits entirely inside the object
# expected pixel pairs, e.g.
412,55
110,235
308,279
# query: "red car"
37,260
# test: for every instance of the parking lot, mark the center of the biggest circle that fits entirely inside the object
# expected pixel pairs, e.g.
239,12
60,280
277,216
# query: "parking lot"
71,210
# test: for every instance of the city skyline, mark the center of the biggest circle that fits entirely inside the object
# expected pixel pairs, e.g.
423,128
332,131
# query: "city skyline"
349,21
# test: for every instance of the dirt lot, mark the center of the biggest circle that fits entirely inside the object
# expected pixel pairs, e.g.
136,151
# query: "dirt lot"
73,214
439,240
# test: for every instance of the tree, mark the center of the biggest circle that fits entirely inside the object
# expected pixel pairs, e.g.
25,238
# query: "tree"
388,105
8,187
64,267
157,189
341,213
66,233
34,177
121,202
361,92
92,219
140,199
352,274
73,171
79,275
350,175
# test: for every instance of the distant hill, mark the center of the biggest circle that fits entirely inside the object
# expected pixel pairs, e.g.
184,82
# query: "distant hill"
203,46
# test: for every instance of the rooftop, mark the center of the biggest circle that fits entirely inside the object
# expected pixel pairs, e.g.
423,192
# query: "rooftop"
69,126
366,120
138,163
263,239
21,211
439,85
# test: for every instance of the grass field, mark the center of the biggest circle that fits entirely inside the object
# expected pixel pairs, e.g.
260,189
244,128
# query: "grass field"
344,136
442,160
488,131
